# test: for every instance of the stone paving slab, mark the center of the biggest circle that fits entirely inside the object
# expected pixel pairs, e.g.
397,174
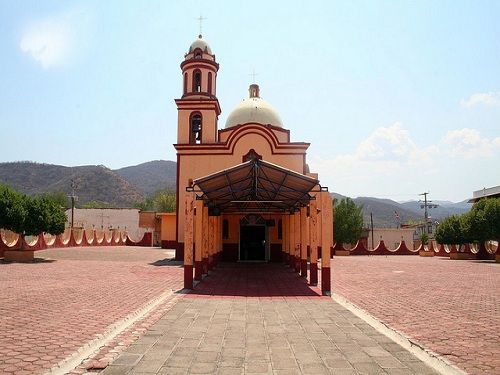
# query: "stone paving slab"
50,308
450,307
211,331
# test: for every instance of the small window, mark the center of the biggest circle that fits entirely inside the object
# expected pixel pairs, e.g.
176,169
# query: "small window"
225,229
197,81
209,83
196,128
280,229
185,83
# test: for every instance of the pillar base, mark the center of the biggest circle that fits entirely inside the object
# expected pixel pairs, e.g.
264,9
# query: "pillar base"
198,270
297,264
313,273
188,276
303,267
325,281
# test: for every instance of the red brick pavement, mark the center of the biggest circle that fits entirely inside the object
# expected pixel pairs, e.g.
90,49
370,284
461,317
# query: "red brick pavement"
450,307
49,309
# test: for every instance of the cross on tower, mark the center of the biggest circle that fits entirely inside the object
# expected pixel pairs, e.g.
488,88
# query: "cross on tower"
253,75
200,20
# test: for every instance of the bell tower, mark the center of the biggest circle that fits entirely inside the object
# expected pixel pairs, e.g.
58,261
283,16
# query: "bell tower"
198,108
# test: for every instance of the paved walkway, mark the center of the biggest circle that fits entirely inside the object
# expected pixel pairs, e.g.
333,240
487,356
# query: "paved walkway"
49,309
450,307
262,319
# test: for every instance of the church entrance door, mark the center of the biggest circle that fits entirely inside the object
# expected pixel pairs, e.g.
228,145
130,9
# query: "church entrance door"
252,243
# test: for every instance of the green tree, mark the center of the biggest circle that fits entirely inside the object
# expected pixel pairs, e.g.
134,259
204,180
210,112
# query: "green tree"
59,198
165,201
424,238
12,209
44,214
161,201
450,231
482,222
348,221
30,215
93,204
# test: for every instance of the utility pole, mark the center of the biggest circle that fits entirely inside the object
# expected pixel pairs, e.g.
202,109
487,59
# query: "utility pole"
371,224
73,199
425,205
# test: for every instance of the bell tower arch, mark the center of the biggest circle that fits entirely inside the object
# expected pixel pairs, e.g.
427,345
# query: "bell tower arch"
198,108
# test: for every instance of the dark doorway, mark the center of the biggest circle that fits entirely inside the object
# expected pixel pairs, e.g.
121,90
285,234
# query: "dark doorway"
253,242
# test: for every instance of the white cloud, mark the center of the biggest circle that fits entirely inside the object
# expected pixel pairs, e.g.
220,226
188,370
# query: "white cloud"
468,143
53,41
389,161
491,99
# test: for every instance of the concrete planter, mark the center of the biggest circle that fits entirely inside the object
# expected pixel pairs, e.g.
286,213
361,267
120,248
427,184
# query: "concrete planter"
23,256
461,256
424,253
342,253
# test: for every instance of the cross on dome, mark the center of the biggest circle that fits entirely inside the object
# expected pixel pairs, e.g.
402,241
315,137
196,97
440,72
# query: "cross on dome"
200,20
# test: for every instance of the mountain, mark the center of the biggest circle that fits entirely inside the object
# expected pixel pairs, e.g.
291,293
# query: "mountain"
151,176
125,186
443,209
93,182
384,210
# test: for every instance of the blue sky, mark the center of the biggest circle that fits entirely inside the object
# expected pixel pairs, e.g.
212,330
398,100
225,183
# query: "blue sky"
396,97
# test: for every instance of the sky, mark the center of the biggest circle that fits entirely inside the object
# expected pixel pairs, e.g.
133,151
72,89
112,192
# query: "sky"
396,98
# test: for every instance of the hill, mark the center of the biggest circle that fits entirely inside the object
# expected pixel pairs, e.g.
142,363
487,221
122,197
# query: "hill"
384,210
151,176
444,208
93,182
125,186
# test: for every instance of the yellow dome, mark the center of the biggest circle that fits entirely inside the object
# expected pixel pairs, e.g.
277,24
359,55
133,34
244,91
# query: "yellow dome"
254,109
201,44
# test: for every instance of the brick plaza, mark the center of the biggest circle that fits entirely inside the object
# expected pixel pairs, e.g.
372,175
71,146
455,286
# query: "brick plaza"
247,318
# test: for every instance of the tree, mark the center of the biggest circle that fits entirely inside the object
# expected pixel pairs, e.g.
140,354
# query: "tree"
59,198
482,222
161,201
449,232
165,201
30,215
93,204
12,209
348,221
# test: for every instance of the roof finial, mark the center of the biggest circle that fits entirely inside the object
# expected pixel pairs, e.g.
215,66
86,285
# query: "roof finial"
200,20
253,74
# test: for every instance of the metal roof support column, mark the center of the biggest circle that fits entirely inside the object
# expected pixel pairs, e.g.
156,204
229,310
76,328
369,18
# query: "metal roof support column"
198,245
303,241
326,241
188,240
313,239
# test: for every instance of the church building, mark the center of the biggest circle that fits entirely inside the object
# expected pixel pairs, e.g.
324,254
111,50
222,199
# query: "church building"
244,190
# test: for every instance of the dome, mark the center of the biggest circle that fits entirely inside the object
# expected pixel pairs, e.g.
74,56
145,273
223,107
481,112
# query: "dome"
201,44
254,109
